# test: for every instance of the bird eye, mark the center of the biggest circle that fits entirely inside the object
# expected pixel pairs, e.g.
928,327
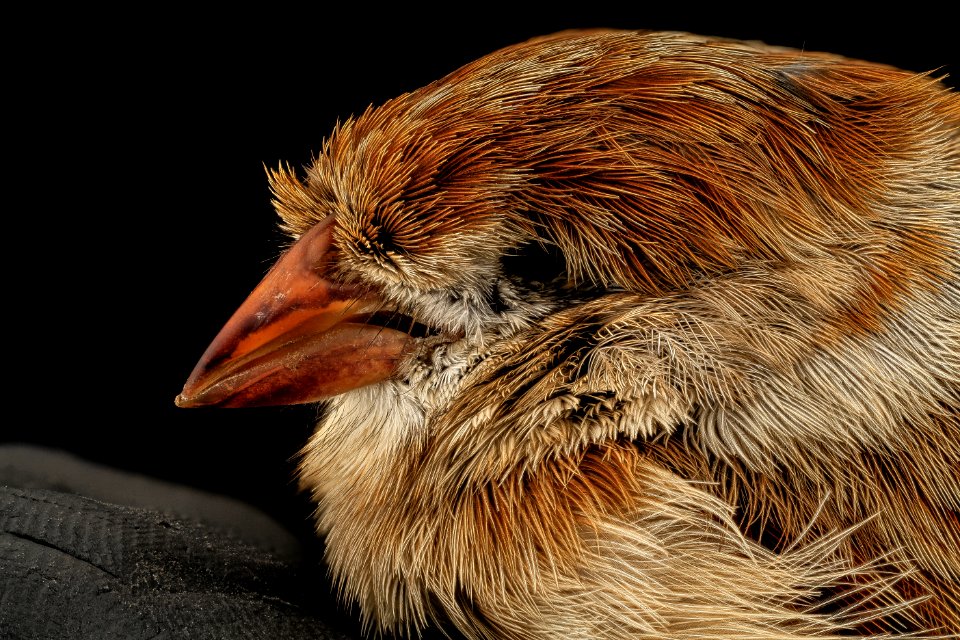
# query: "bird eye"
535,263
379,238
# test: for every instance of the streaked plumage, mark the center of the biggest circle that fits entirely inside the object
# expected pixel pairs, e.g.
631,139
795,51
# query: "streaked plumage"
685,345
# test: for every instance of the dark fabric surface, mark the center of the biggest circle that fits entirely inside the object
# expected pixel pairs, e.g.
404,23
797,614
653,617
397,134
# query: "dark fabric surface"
30,467
177,564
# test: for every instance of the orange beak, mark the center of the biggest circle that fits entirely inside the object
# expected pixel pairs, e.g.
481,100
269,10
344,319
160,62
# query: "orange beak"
297,338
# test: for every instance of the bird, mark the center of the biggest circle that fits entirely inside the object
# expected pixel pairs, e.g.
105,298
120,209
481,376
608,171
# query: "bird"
626,334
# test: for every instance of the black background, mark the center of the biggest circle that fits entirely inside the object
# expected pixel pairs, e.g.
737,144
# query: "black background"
138,213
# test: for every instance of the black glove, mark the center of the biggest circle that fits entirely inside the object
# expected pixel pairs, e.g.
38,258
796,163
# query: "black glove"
75,567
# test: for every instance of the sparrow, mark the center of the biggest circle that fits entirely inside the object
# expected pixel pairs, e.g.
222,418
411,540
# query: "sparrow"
627,335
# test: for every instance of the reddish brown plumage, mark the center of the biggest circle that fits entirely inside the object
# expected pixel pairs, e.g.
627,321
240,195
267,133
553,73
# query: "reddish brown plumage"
673,166
736,413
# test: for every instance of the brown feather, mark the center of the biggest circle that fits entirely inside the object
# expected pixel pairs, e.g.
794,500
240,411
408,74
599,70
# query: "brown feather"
751,427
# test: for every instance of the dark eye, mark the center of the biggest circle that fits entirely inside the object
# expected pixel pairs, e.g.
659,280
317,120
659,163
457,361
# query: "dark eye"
379,238
535,264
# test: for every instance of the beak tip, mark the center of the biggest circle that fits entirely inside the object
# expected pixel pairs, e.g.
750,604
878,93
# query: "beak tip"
184,402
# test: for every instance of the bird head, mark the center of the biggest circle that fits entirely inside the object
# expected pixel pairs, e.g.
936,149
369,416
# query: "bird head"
530,198
506,225
518,196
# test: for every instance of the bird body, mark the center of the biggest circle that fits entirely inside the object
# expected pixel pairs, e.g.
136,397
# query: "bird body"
628,335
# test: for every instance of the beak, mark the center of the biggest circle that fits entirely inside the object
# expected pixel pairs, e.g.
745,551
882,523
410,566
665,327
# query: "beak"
298,338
